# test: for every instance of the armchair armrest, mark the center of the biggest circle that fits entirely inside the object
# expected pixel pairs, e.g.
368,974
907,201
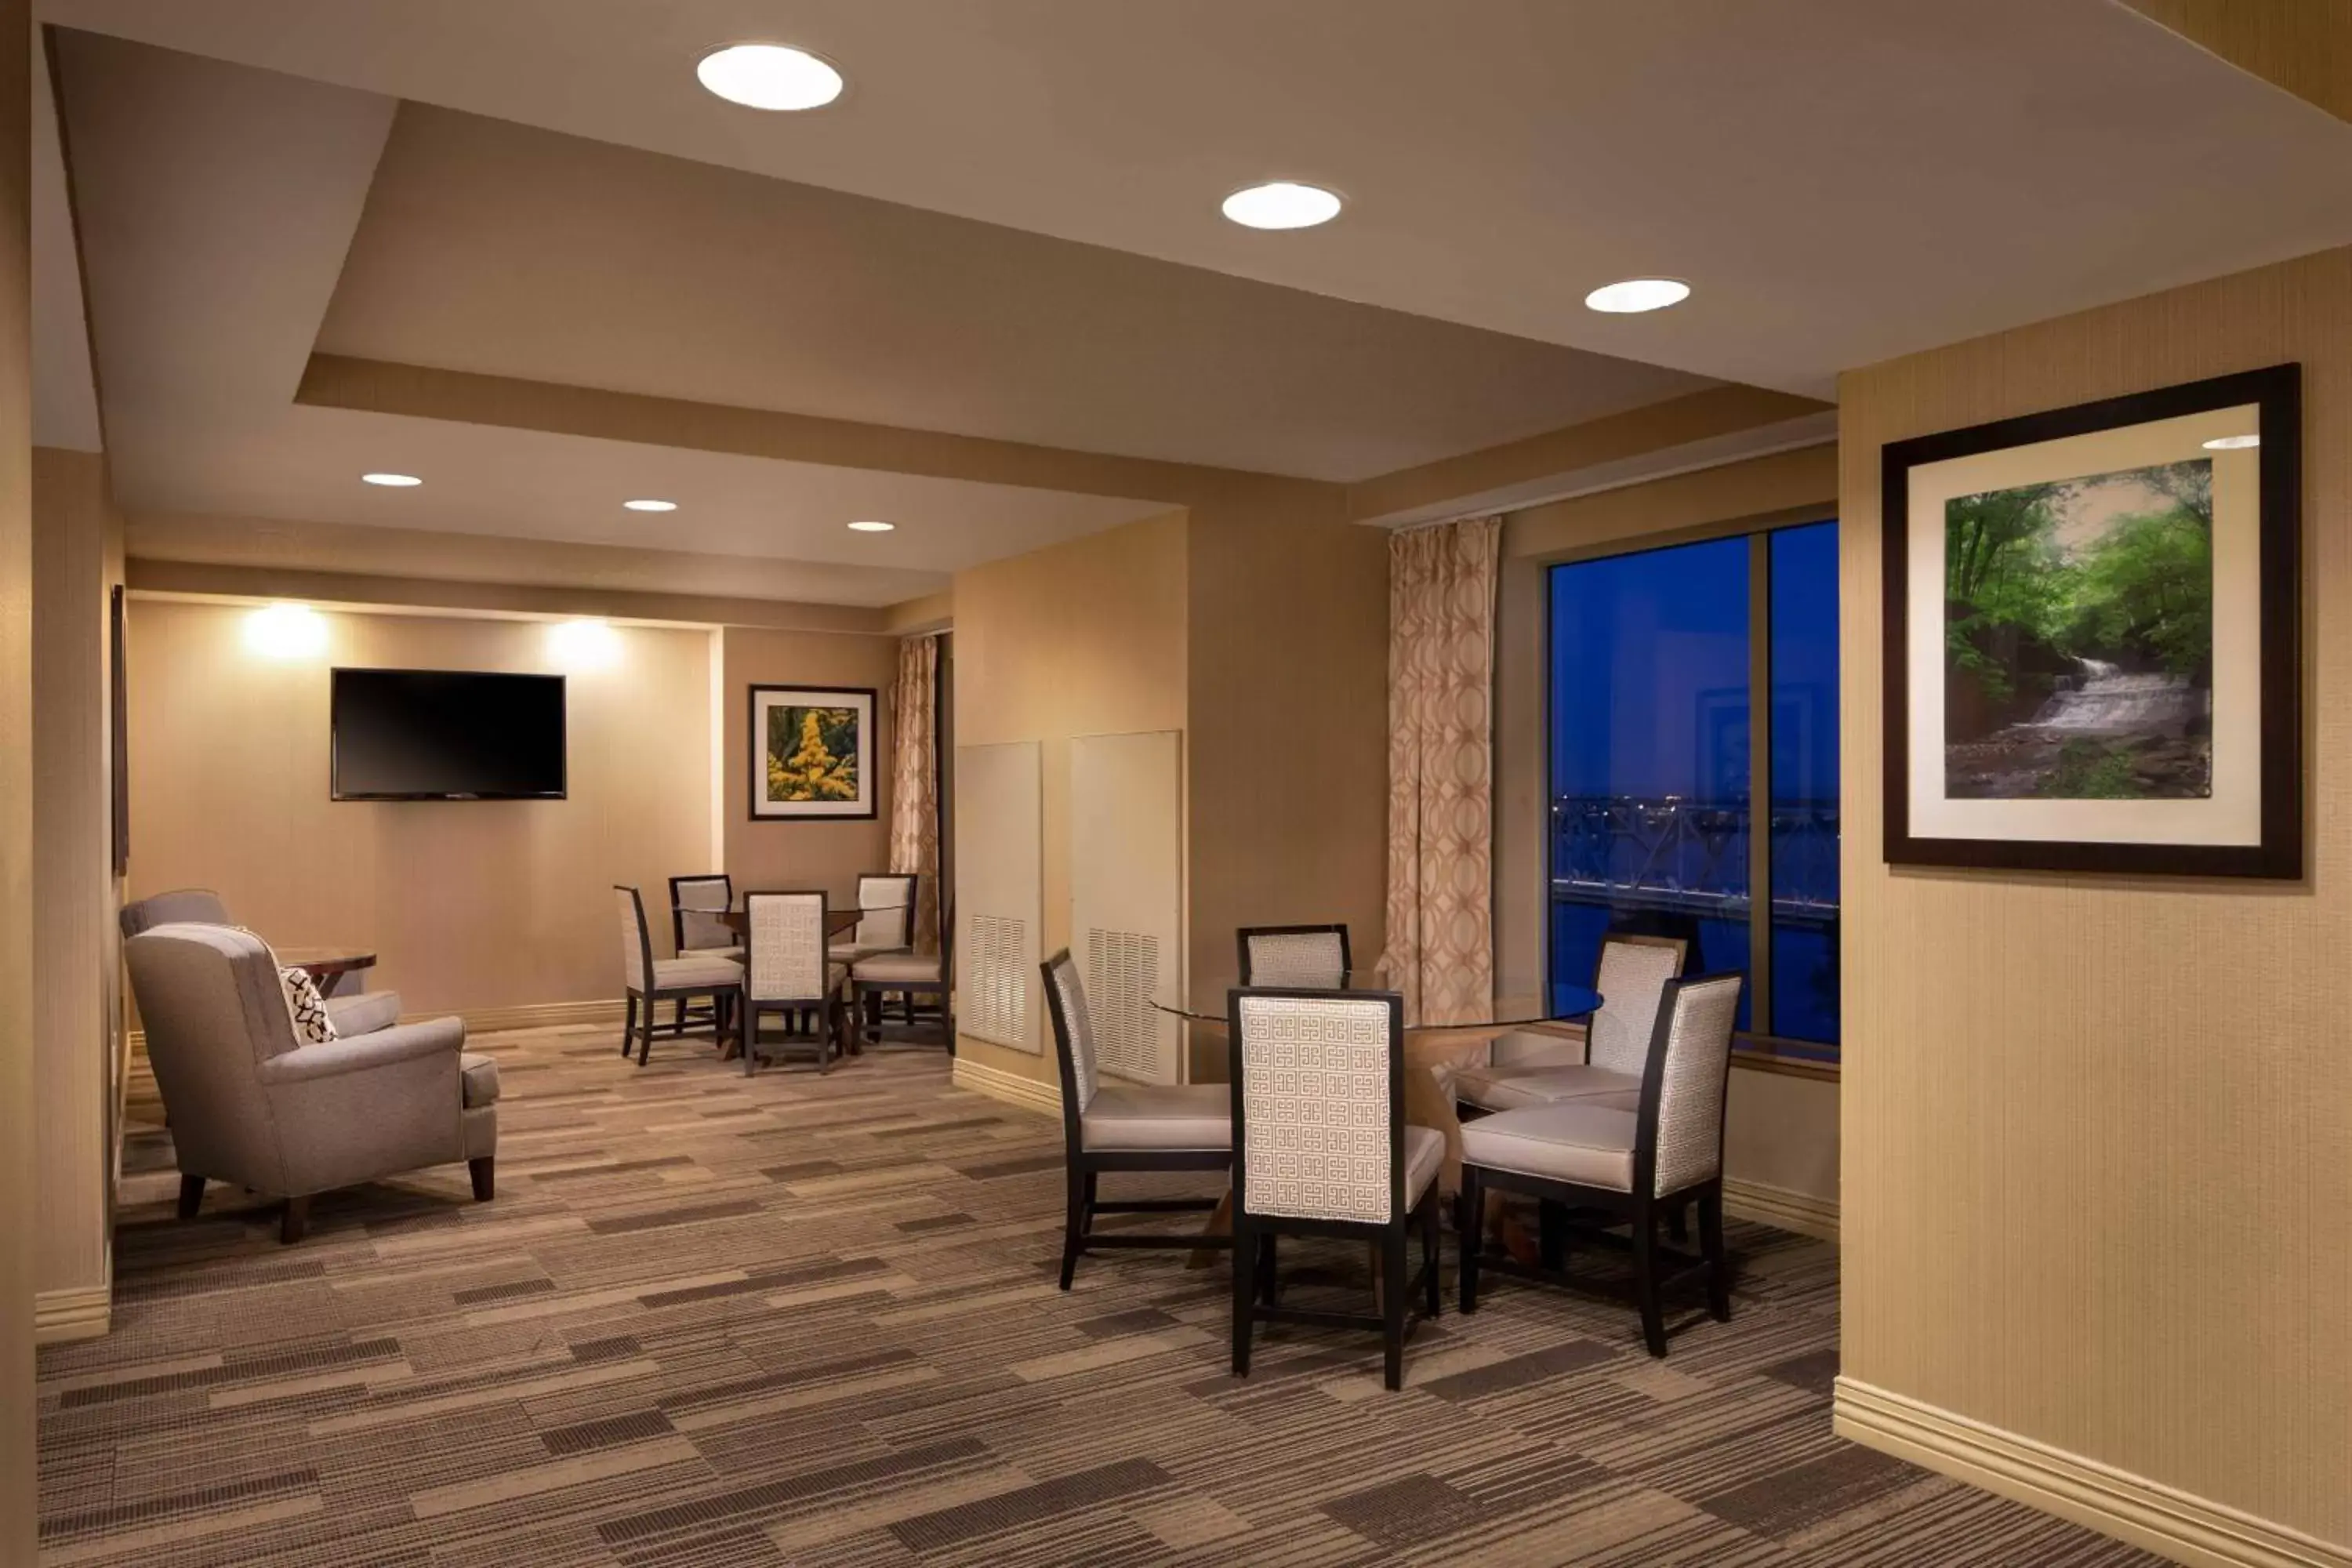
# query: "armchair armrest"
360,1052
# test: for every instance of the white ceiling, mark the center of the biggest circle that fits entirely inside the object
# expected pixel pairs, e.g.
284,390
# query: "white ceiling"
496,247
1843,180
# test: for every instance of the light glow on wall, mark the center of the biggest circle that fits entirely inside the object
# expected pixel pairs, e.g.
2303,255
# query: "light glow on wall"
585,645
286,631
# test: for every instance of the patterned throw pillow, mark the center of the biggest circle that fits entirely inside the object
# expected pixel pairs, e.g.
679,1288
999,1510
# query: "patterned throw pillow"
306,1007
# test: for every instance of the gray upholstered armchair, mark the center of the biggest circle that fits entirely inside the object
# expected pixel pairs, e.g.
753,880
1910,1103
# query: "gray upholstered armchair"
354,1012
248,1106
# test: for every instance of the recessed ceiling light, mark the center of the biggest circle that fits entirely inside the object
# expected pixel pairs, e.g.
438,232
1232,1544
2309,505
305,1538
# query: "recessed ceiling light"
867,525
650,505
392,481
1636,295
1282,205
2232,443
769,76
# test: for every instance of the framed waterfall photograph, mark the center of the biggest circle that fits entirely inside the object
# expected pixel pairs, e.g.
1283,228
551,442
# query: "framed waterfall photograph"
811,753
2092,656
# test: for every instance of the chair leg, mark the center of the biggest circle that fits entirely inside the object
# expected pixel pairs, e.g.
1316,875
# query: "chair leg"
1392,1306
192,1195
1431,1204
1074,1224
485,1171
1551,1235
1474,1237
1718,1268
1678,1221
645,1032
751,1028
1245,1245
1645,1278
629,1029
295,1221
1269,1270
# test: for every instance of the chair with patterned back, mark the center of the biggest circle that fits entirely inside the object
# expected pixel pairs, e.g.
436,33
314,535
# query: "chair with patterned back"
787,970
1114,1127
1635,1163
650,981
1321,1148
1312,956
1541,1070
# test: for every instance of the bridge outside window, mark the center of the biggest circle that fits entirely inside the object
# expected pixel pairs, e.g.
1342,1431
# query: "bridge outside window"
1659,753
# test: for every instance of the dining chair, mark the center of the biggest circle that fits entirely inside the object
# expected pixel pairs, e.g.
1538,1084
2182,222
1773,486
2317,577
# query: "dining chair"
1634,1164
1321,1148
1313,956
787,970
651,981
1120,1126
888,923
1528,1068
696,904
908,975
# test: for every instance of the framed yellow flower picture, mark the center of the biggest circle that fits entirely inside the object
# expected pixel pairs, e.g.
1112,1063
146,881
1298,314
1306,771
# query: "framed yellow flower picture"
812,752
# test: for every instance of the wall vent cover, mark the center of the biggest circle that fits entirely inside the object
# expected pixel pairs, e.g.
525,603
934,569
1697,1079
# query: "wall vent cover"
1122,976
995,982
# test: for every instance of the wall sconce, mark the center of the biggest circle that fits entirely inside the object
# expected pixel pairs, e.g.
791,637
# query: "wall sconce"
286,631
582,646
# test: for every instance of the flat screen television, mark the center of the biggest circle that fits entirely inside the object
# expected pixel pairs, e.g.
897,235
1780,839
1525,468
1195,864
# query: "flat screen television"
440,734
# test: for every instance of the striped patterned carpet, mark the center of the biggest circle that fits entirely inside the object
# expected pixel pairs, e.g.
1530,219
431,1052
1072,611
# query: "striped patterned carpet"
812,1320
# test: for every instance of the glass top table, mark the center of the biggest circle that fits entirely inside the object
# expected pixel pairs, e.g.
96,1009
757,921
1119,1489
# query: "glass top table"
1570,1003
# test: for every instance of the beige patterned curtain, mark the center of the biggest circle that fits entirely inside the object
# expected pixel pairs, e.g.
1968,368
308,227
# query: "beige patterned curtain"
1441,939
915,781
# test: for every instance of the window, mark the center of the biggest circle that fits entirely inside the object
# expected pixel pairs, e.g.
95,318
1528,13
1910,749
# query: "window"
1656,748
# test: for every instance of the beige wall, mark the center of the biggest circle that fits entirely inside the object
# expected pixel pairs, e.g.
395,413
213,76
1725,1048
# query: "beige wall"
16,1082
74,524
2098,1131
796,856
1286,764
1781,1131
1084,638
473,905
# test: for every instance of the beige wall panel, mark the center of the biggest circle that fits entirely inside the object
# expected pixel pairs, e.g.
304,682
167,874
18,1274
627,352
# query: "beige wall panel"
475,904
17,1101
1084,638
785,857
2098,1131
1126,896
999,896
1288,756
72,873
1780,1131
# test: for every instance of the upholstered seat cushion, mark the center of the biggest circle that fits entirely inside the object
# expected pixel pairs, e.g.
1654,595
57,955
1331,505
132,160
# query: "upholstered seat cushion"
854,951
1175,1116
365,1011
735,953
1511,1088
480,1077
693,969
1424,1151
1590,1145
900,969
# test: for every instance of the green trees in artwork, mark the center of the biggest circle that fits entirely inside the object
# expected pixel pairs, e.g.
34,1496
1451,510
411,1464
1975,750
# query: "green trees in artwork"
811,753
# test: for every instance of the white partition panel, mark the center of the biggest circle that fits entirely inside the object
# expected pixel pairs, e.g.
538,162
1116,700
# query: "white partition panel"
1126,896
1000,894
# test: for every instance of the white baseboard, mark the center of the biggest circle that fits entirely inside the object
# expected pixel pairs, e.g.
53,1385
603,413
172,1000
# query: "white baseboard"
1012,1087
79,1312
1783,1207
2115,1502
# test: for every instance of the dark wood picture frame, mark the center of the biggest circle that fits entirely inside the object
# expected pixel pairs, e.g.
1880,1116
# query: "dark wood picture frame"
756,746
2276,390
